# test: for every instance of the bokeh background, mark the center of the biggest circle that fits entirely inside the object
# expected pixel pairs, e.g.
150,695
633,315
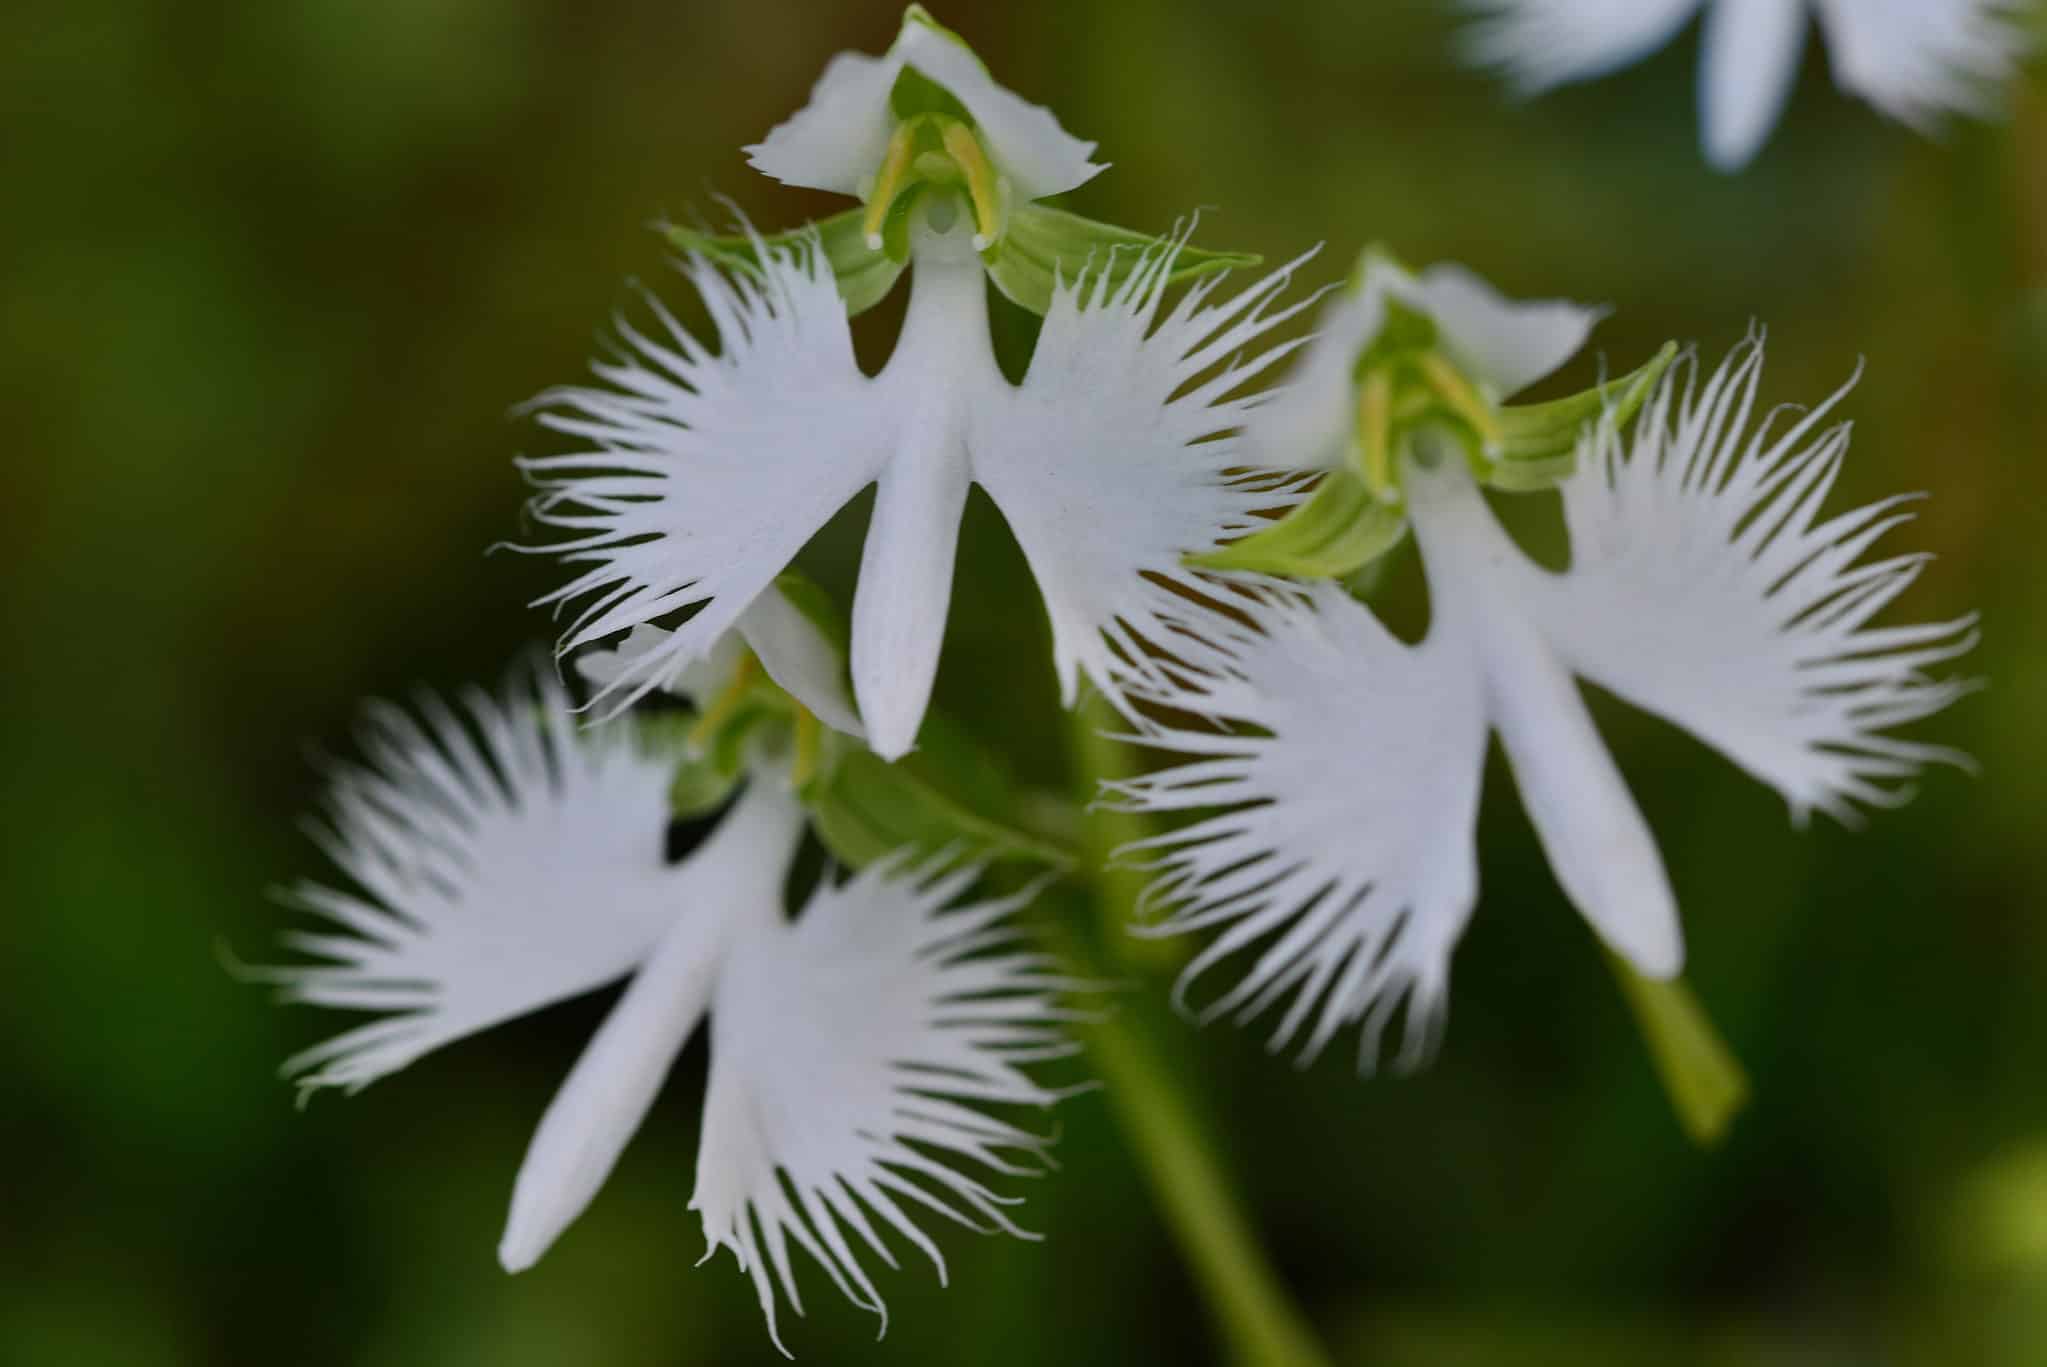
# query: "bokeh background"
271,278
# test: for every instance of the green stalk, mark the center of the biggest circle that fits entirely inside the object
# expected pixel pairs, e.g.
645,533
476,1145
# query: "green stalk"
1260,1322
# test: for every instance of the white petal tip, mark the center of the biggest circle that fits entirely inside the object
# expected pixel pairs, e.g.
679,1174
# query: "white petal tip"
890,746
1729,161
1656,962
515,1255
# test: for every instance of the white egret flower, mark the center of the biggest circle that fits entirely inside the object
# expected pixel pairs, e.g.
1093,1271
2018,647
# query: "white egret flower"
701,474
1705,587
1916,60
517,859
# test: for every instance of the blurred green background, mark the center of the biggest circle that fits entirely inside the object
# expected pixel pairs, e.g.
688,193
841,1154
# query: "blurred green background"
272,276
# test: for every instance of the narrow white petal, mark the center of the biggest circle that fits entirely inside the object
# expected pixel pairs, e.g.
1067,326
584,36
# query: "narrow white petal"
1597,842
799,658
1920,59
1543,43
732,881
701,475
1505,344
1026,141
500,863
849,1052
838,139
1341,865
905,586
943,366
1748,62
1707,587
1117,456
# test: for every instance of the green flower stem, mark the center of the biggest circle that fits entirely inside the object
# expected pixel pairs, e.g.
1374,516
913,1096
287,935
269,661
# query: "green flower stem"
1261,1323
1097,756
1701,1074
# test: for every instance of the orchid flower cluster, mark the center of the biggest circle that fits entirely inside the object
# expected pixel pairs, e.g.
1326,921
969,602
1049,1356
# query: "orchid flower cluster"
1203,540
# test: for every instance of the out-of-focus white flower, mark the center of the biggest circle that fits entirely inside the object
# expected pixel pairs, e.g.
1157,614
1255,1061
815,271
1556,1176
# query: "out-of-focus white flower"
1705,587
1917,60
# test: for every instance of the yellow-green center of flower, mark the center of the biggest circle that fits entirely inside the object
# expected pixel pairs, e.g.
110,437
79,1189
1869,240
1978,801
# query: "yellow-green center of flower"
1406,380
936,150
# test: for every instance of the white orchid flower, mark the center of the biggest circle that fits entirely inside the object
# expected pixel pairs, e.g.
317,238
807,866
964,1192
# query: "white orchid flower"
517,859
1916,60
1705,587
703,473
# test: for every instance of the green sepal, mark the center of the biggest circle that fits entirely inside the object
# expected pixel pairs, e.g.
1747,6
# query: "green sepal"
864,275
1540,440
1041,246
914,93
701,783
1700,1074
1406,334
945,795
1340,529
917,14
818,608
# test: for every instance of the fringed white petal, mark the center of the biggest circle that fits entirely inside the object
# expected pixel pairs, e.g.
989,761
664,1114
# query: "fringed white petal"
851,1052
702,475
732,881
1117,456
500,863
1343,867
1748,62
1707,587
1918,60
838,139
1538,44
